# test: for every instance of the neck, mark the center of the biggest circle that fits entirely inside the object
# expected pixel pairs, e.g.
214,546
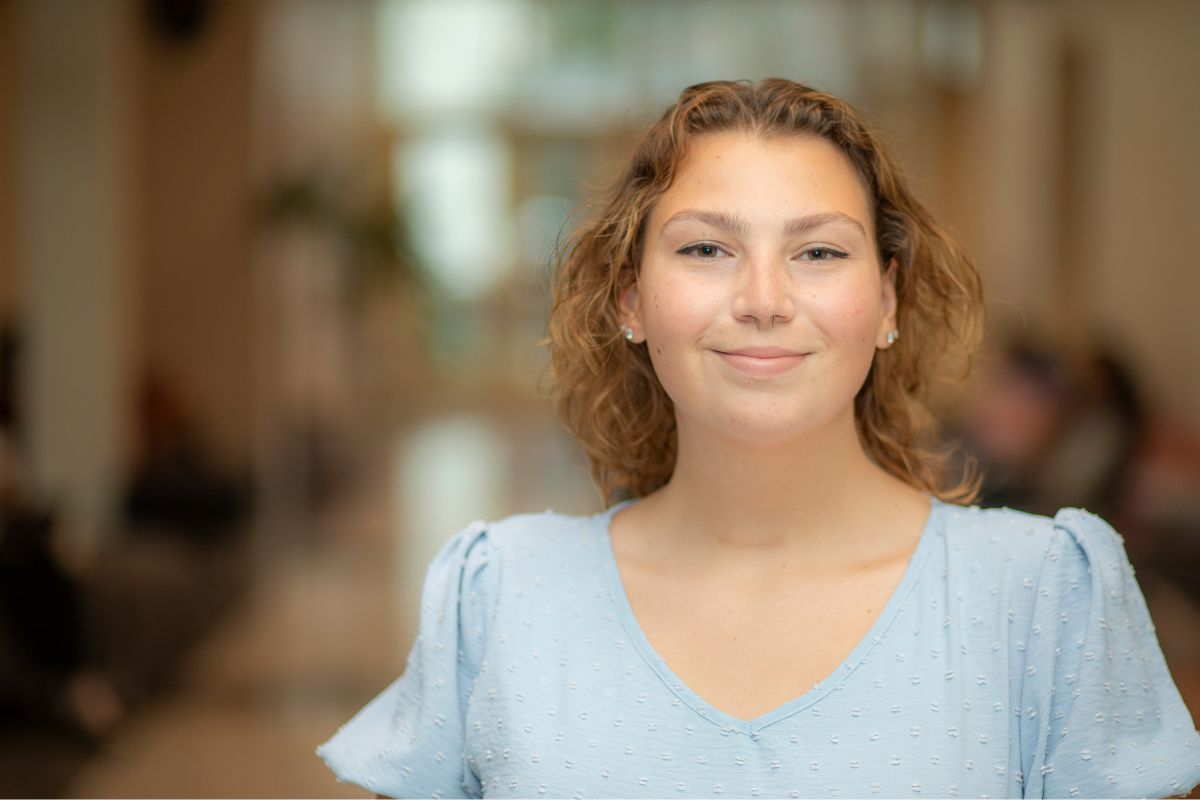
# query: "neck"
821,494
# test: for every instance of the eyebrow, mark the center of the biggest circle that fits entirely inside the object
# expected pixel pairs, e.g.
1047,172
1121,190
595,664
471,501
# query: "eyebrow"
737,225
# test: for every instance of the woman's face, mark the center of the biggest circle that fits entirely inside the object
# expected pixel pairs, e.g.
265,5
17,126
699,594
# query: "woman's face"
760,294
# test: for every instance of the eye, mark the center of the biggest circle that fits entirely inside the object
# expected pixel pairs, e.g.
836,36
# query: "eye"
702,250
822,254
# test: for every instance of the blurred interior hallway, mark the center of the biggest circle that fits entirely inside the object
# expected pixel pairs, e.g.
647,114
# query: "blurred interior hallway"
328,622
318,634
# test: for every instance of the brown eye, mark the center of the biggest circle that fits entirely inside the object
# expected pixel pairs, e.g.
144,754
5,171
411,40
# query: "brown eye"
702,250
823,254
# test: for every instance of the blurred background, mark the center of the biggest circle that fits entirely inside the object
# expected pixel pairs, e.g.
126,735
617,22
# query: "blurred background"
273,275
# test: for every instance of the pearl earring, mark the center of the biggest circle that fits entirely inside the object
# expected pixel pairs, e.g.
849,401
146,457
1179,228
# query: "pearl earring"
628,332
892,336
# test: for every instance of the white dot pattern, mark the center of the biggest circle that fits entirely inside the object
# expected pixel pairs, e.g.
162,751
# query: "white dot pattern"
1015,659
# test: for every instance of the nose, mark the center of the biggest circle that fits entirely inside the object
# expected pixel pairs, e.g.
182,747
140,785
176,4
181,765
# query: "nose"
764,292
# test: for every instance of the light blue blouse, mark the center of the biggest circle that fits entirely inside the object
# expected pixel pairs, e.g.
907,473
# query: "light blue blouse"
1015,658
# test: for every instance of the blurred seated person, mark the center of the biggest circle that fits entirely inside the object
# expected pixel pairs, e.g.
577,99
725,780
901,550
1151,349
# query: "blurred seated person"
47,667
176,487
1050,432
1012,423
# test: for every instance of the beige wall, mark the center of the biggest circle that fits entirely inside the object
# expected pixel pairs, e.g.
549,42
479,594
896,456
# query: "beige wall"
1013,129
76,193
125,203
9,287
196,125
1072,172
1140,251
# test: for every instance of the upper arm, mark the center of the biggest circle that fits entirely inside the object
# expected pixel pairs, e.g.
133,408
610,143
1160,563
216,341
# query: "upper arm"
409,740
1109,719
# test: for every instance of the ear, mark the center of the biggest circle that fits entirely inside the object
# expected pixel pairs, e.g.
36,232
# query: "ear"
630,304
887,321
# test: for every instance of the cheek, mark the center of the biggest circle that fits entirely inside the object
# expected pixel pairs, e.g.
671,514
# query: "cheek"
848,313
677,315
678,310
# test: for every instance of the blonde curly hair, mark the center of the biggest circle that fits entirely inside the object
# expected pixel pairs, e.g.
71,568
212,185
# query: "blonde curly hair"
606,390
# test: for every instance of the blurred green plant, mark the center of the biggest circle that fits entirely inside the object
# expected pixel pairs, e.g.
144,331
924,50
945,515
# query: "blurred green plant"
371,234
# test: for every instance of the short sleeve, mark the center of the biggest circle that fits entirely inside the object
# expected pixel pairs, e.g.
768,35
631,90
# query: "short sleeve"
1101,716
408,740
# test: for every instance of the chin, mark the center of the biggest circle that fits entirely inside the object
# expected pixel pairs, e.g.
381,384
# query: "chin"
753,429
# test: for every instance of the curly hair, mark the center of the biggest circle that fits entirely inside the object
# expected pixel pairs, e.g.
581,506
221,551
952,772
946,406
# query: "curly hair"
606,390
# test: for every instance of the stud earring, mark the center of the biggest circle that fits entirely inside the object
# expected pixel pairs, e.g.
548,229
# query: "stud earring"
627,332
892,336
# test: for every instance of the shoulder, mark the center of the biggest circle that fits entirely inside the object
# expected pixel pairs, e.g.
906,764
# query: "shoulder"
1034,550
997,538
548,524
1088,537
529,534
519,532
477,555
975,528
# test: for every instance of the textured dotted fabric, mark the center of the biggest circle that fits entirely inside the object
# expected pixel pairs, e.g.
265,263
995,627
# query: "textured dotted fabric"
1015,658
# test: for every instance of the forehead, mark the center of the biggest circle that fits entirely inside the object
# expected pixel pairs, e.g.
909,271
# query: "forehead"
782,175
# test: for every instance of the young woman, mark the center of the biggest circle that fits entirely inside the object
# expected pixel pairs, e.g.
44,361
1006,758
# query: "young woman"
792,598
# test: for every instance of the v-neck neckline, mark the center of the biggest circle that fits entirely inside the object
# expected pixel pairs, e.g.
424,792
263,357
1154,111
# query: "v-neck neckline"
752,727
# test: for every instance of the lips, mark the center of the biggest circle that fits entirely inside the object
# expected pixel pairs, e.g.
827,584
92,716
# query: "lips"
762,352
762,361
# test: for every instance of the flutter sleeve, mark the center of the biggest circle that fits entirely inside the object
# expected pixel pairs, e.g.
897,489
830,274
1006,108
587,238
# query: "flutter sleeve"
1101,715
408,740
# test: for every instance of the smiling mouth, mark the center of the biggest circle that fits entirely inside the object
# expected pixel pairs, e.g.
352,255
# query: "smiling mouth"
762,361
762,352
